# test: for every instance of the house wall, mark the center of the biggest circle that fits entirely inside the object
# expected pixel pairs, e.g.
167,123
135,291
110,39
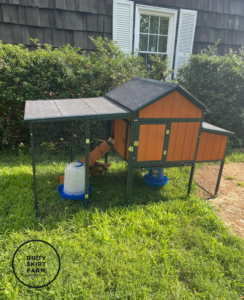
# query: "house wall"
58,22
55,22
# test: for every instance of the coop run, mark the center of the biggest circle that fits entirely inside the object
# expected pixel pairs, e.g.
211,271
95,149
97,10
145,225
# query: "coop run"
149,123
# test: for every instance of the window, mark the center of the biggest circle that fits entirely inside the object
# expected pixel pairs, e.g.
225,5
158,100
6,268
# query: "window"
155,31
153,34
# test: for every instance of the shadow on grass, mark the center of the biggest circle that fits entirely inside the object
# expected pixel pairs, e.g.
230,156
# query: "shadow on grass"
109,191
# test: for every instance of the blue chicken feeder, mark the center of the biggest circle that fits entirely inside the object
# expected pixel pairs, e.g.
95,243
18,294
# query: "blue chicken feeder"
72,197
155,177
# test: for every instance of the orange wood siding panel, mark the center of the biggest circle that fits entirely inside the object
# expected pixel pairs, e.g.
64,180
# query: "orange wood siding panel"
119,137
183,141
128,142
173,105
211,146
151,142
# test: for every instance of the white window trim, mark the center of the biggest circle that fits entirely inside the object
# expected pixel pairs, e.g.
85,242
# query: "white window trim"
161,12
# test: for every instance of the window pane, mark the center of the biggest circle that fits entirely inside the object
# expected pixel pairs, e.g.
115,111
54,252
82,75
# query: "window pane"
154,23
153,42
143,42
162,47
144,21
164,25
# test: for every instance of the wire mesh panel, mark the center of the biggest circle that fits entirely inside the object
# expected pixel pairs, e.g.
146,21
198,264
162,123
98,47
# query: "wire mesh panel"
58,143
206,177
55,145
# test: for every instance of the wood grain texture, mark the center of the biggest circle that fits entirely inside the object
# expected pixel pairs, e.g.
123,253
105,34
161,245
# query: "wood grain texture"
173,105
183,141
211,147
119,137
151,141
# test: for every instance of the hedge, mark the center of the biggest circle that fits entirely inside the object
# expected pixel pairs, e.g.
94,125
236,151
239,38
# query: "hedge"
56,74
218,81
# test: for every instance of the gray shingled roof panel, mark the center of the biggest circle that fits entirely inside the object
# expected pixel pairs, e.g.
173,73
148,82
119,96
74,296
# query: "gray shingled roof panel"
104,106
40,109
73,107
52,109
137,92
208,126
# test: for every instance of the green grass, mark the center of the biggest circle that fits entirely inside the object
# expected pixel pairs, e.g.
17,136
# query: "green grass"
235,156
163,246
231,178
240,184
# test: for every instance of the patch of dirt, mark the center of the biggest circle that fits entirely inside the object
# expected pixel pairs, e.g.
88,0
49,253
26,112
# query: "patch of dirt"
230,199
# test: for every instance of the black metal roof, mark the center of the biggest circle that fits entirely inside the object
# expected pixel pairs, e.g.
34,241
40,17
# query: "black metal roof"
141,92
214,129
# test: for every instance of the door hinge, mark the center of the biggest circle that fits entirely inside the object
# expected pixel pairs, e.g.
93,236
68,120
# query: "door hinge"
165,152
130,149
136,143
167,131
87,141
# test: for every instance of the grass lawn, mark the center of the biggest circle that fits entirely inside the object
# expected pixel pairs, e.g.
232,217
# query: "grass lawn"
163,246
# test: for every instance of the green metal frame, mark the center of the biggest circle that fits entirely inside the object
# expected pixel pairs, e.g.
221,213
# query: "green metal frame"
87,152
34,168
221,170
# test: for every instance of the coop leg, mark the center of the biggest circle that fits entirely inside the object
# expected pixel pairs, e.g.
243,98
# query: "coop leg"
130,164
87,151
219,178
72,134
34,168
108,130
191,179
129,184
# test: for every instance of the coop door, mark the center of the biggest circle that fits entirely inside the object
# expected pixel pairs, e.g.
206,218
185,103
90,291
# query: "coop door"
152,142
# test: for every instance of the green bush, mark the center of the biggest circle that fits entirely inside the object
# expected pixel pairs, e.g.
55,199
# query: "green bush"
56,74
218,81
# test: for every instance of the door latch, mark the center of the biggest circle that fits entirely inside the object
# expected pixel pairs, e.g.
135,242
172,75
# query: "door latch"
165,152
130,149
136,144
167,131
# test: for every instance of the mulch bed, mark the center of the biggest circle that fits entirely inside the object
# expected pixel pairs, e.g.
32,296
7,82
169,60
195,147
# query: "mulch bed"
230,199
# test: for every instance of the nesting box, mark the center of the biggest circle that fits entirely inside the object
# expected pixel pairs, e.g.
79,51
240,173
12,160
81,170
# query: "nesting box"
168,125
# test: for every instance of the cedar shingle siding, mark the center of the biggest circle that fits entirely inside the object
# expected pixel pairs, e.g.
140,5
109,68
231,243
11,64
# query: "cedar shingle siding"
59,22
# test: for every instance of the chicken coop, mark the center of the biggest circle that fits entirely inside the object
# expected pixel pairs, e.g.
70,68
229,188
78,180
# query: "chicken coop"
149,123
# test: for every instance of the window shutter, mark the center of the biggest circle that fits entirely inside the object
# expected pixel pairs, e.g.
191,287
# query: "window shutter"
123,24
186,32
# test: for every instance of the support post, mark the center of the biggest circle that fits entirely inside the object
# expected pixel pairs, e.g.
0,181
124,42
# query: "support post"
191,179
219,178
221,170
87,152
34,168
72,135
108,130
131,159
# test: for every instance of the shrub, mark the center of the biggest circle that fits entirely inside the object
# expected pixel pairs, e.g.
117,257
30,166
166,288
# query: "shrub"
218,81
159,68
56,74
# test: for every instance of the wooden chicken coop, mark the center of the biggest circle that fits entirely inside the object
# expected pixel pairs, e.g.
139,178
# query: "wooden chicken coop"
155,124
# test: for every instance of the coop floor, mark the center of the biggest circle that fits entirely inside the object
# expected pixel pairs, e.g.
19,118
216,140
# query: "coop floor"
230,200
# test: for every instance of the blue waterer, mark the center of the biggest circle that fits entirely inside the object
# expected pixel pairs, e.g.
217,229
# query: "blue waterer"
155,177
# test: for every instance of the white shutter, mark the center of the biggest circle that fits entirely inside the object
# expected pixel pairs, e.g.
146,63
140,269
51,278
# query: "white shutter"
123,24
186,32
